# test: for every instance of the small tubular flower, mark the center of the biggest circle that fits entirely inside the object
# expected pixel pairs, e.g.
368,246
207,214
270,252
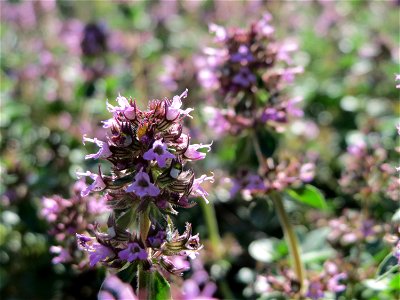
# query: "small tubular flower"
158,152
103,152
142,186
133,252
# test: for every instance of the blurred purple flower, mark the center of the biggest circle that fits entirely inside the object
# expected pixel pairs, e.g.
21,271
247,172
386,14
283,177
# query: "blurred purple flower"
174,110
191,152
62,255
115,289
334,284
197,190
315,290
97,185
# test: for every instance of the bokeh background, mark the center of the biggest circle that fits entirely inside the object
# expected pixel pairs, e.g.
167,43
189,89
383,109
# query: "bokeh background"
60,61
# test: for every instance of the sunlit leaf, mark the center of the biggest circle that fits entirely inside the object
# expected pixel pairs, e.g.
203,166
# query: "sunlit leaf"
309,195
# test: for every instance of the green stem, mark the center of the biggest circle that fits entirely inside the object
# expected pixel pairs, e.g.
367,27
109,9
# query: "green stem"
290,237
212,227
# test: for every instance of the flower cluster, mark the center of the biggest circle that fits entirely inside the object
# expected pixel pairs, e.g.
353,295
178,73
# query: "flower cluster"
68,217
287,173
250,69
367,173
177,72
148,152
352,228
329,281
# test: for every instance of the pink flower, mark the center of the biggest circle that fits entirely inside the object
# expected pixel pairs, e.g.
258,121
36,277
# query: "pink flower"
191,152
62,255
197,190
115,289
103,152
334,285
307,172
159,152
174,110
219,32
97,185
142,186
124,107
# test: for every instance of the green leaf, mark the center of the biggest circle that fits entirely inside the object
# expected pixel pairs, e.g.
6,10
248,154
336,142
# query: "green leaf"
396,216
268,250
127,272
394,283
387,266
158,286
161,288
309,195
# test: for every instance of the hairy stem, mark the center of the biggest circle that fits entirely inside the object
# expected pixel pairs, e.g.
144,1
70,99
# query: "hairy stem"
290,236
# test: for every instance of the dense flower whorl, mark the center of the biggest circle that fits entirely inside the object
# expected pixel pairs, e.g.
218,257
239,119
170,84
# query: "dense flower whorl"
289,173
69,216
368,173
249,69
148,152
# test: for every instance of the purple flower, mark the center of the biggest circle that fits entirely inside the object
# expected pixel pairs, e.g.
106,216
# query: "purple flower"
158,239
52,207
191,290
315,290
83,242
115,289
197,190
288,75
98,253
97,185
263,25
133,252
292,109
62,255
307,172
217,120
334,284
243,55
103,152
191,152
159,152
219,32
142,186
254,183
244,78
397,78
272,114
124,107
174,110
